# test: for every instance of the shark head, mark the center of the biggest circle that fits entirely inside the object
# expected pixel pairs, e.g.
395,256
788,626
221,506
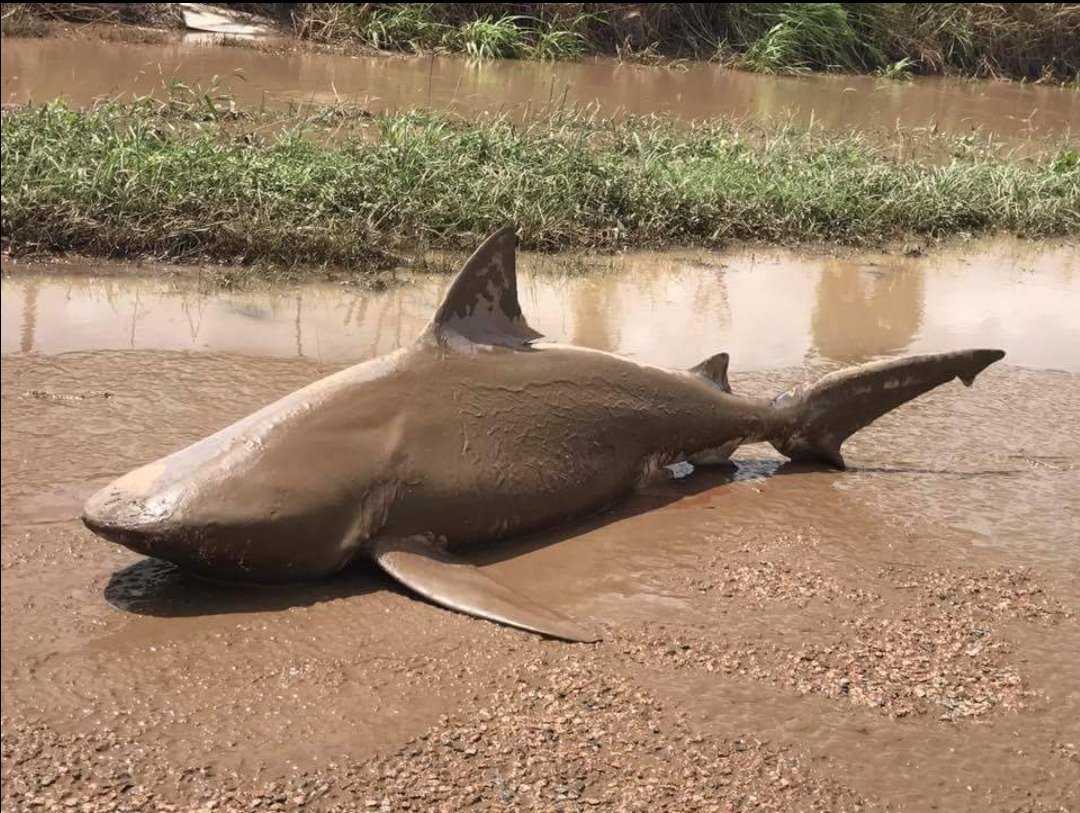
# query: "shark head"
228,510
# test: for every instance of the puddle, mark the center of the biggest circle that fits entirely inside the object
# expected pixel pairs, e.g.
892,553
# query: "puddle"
768,308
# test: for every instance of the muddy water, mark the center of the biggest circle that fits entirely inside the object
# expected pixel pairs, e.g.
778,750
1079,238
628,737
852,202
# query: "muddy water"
803,609
769,308
81,70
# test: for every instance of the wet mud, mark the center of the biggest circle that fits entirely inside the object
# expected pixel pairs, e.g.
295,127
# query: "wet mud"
83,70
899,636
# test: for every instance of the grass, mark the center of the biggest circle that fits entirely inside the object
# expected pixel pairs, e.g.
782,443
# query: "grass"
419,27
1034,41
489,38
194,178
900,71
809,35
29,19
108,21
1029,41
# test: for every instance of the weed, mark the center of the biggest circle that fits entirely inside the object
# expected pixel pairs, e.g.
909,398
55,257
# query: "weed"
902,70
558,44
490,38
1023,40
1032,41
809,35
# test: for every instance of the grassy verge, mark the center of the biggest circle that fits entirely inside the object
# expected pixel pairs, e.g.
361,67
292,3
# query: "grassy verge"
197,179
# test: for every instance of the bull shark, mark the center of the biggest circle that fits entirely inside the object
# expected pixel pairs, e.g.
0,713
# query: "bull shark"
476,432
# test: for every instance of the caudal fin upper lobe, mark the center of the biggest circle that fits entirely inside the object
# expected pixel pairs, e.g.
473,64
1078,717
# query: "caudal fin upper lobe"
818,417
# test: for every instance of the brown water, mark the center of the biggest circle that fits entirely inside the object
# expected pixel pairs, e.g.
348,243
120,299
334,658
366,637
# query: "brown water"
787,608
769,308
81,70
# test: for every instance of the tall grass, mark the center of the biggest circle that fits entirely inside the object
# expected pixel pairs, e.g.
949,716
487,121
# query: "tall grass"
808,35
488,38
172,181
420,27
407,25
1021,40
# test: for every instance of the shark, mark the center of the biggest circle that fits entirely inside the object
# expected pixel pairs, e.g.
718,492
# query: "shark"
477,432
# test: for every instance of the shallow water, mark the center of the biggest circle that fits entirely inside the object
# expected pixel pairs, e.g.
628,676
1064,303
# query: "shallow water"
769,308
81,70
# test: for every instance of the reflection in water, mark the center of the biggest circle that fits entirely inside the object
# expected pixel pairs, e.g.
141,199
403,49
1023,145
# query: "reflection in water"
26,334
80,70
768,308
592,327
864,311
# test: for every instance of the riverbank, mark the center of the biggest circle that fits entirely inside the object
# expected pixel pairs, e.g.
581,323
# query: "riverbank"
196,177
1026,41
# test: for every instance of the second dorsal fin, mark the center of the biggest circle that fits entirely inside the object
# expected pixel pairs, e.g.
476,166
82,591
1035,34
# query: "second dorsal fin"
482,306
715,369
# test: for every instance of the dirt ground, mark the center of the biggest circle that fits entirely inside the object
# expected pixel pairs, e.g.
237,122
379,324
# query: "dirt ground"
902,636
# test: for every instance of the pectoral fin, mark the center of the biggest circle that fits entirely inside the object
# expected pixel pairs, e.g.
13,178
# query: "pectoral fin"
423,567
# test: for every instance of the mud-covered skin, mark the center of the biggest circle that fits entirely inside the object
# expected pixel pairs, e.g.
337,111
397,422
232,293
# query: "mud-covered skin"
466,446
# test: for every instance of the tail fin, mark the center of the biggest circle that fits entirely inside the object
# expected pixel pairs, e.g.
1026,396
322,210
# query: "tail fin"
823,414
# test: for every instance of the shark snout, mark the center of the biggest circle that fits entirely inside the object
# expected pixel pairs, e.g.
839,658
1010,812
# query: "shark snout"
138,538
153,523
138,510
130,519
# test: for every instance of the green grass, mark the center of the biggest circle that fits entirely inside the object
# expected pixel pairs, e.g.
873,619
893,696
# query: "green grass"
1031,41
194,178
809,35
489,38
1020,40
900,71
419,27
559,43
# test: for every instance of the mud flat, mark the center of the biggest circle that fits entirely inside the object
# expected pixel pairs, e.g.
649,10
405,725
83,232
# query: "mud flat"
901,636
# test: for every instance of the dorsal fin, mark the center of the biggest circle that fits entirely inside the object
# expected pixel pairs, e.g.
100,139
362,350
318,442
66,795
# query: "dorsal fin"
714,368
481,306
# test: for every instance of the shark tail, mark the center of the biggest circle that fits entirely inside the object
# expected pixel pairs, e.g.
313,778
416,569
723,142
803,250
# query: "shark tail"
816,418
